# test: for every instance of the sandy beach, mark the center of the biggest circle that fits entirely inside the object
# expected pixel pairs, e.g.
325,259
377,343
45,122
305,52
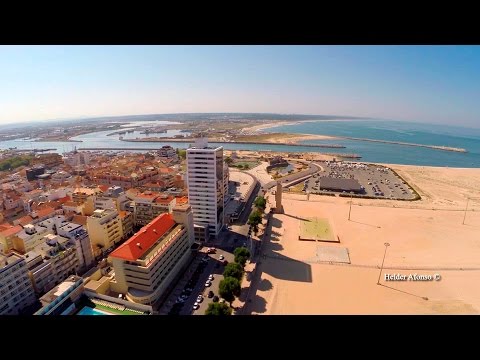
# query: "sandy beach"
292,280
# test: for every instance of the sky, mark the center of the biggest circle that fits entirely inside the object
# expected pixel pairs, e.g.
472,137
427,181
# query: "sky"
432,84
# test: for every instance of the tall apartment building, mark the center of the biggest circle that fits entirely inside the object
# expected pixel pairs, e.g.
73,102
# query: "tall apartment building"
104,228
206,188
16,291
147,263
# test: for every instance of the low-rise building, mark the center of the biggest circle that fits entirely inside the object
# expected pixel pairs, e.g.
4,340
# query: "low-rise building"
16,291
113,198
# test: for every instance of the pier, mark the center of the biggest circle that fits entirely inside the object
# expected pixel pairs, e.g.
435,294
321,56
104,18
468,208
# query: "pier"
191,140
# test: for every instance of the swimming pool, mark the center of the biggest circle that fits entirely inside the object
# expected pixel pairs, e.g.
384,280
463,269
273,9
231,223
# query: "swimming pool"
91,311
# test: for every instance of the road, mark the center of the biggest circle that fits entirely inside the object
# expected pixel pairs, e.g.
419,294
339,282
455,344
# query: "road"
226,242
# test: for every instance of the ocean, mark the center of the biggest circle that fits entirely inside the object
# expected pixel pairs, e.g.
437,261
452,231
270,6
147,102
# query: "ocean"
418,133
427,134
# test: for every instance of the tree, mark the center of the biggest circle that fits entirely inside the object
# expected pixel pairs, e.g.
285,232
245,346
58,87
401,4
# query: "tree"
228,288
218,309
241,255
240,166
260,203
182,153
246,166
255,218
234,270
228,160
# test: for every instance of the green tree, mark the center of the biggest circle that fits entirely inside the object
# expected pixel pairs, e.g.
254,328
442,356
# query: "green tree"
234,270
255,218
260,203
240,166
182,153
228,160
218,309
246,166
241,255
228,288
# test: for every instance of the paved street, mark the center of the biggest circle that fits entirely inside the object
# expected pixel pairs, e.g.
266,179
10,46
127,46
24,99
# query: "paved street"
227,241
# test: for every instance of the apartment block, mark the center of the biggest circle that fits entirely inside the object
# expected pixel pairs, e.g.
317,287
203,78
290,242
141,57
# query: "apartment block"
206,187
104,228
147,263
16,291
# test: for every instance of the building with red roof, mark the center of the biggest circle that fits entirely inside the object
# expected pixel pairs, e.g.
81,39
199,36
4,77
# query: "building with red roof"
7,236
147,263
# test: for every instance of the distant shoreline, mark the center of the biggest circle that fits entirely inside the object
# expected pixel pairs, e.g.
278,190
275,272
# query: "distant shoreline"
57,140
435,147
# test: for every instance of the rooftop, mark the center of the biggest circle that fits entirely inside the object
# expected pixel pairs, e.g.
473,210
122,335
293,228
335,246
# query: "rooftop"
143,240
25,220
9,260
340,184
45,212
164,199
80,219
58,290
11,231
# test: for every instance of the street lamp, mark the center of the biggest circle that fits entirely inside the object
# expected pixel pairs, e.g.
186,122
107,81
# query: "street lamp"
383,261
350,209
465,214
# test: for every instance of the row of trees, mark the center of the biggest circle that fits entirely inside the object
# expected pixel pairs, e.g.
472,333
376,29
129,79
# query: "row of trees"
231,285
255,217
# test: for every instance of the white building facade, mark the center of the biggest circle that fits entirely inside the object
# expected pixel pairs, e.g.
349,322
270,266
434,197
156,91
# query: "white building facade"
206,187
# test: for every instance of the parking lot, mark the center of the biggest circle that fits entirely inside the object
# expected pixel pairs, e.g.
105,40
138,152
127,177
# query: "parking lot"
185,295
377,181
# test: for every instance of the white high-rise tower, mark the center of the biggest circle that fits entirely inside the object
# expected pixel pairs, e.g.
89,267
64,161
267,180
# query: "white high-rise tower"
206,188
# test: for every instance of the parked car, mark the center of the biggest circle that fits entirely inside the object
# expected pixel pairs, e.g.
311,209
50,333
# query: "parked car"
208,283
215,298
210,294
196,306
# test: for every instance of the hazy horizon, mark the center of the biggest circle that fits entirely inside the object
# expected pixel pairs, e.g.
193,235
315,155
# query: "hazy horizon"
425,84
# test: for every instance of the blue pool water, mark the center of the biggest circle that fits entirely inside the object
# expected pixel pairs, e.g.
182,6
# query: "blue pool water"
91,311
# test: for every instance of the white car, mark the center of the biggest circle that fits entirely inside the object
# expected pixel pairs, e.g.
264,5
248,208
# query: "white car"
210,277
221,257
195,306
199,298
208,283
222,300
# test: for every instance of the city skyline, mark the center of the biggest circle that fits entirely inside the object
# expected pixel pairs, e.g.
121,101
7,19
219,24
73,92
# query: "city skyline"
431,84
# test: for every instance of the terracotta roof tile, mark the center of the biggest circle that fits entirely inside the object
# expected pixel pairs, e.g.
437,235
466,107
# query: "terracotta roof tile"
45,212
79,219
11,231
142,241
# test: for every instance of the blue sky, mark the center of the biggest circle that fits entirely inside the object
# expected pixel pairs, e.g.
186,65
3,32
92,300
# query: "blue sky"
437,84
